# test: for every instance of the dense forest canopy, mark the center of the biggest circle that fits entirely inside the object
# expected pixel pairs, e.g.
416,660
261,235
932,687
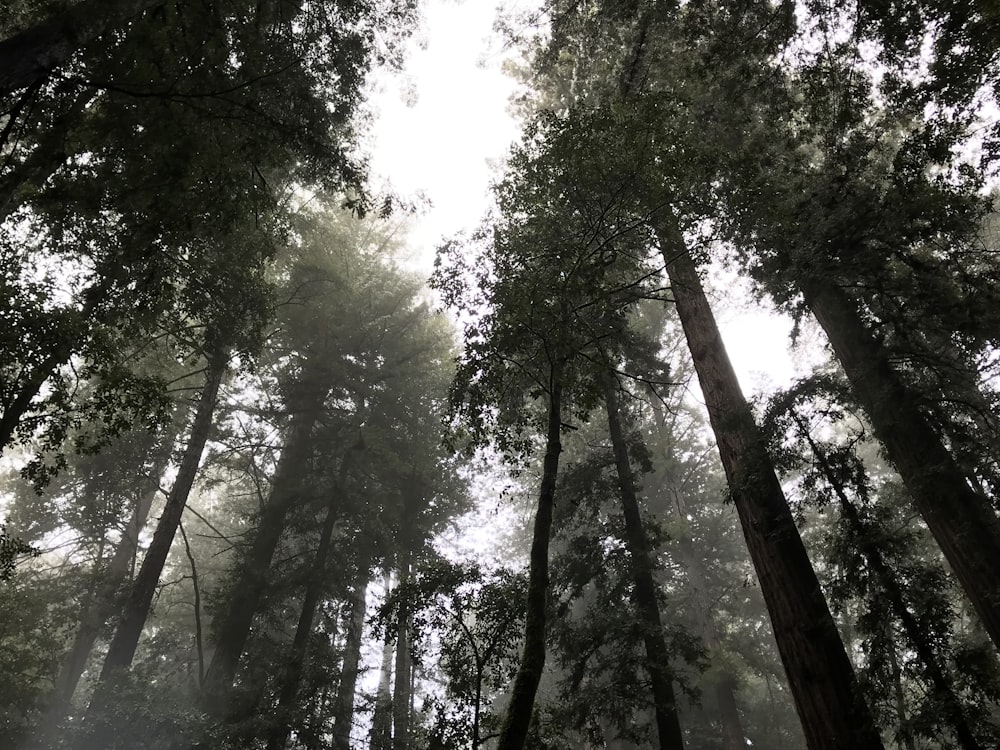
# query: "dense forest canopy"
264,485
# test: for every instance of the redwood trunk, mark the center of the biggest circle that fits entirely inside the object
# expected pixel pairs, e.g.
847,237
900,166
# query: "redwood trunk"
529,671
962,520
833,713
381,731
668,724
130,625
343,716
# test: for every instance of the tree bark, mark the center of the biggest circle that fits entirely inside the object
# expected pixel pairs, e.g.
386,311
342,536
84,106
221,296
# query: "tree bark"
833,713
289,689
232,628
668,724
962,520
529,672
343,713
28,58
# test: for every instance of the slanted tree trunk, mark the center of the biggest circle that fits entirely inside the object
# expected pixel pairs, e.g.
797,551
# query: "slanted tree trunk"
232,628
100,607
833,713
961,519
136,610
668,724
28,58
289,690
943,685
343,712
529,672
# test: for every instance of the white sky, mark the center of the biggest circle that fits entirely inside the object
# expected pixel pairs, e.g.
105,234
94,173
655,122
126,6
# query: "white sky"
441,123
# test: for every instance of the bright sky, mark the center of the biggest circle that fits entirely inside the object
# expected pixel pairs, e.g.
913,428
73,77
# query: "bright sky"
440,142
444,120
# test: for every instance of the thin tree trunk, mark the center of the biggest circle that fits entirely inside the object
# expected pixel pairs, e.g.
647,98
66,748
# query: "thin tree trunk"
942,682
529,672
130,625
100,608
733,733
343,713
232,628
833,713
292,678
126,637
401,686
381,731
668,724
962,521
28,58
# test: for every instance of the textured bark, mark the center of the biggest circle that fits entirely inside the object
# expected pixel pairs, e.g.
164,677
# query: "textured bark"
668,724
289,690
833,713
28,58
529,671
232,628
961,519
343,712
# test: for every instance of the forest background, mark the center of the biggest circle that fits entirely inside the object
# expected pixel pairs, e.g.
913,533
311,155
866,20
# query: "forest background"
261,490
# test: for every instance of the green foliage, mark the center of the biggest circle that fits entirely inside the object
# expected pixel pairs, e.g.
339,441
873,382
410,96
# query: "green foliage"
12,550
476,617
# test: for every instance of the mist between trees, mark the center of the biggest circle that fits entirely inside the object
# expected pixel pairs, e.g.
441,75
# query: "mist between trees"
241,439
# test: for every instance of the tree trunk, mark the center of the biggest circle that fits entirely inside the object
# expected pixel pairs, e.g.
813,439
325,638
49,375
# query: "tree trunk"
232,627
833,713
289,690
28,58
381,731
529,672
733,734
100,608
126,637
130,625
343,712
668,724
401,686
962,521
891,588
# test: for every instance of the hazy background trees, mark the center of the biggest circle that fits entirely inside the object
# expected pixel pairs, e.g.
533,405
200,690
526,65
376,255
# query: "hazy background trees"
241,440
